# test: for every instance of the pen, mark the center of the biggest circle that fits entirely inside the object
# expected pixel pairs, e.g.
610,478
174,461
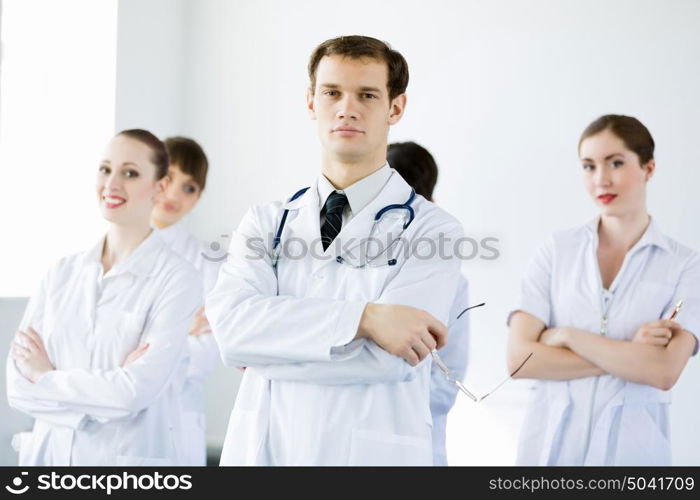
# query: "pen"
677,309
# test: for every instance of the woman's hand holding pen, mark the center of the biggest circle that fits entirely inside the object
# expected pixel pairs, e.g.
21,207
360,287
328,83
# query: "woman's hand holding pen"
30,355
657,332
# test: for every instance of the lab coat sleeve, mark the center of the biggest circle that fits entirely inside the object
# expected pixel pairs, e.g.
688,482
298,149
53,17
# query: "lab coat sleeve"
203,351
20,394
204,357
124,391
688,289
254,326
428,281
370,365
535,289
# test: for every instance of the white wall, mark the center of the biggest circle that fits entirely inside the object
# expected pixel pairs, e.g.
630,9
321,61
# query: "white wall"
499,92
56,109
151,39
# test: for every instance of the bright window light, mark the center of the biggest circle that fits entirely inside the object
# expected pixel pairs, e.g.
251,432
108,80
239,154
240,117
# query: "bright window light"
57,99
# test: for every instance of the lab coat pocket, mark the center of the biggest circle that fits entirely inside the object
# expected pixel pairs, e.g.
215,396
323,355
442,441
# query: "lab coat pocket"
379,448
641,439
22,444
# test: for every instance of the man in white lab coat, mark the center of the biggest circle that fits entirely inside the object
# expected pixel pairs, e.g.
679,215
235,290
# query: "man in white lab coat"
334,299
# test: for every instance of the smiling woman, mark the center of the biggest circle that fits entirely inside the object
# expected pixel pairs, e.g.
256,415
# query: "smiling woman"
132,181
101,350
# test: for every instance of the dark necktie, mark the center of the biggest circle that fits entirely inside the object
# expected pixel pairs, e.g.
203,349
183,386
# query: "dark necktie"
333,209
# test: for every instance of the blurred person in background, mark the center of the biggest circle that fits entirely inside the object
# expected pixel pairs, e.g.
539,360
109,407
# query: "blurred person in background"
187,177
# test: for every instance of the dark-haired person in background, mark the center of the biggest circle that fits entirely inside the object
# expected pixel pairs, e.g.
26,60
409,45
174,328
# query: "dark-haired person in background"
187,178
102,348
595,310
418,168
334,338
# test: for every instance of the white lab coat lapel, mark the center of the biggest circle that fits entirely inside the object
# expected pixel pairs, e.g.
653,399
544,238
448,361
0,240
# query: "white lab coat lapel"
304,219
135,269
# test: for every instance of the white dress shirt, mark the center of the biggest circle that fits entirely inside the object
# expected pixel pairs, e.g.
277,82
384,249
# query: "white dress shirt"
359,194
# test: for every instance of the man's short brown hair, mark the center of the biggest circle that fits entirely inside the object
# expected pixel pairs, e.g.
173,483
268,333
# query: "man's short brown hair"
358,47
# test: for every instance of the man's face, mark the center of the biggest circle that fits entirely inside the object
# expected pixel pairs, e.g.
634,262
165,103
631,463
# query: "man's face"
351,104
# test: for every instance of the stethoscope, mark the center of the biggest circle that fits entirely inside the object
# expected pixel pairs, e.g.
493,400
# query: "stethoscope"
369,262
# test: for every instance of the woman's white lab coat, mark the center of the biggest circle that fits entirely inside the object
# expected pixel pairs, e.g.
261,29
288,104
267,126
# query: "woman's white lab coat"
604,420
203,352
90,410
311,395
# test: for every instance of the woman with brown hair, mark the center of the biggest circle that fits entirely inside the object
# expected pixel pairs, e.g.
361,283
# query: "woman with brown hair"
98,358
597,310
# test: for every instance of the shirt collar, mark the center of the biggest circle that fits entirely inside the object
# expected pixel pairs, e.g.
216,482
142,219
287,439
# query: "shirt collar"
360,193
140,262
652,235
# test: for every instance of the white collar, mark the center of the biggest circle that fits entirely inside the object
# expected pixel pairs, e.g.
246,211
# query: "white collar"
652,235
360,193
140,262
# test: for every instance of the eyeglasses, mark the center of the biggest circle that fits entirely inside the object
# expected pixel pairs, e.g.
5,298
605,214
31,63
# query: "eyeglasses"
451,376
